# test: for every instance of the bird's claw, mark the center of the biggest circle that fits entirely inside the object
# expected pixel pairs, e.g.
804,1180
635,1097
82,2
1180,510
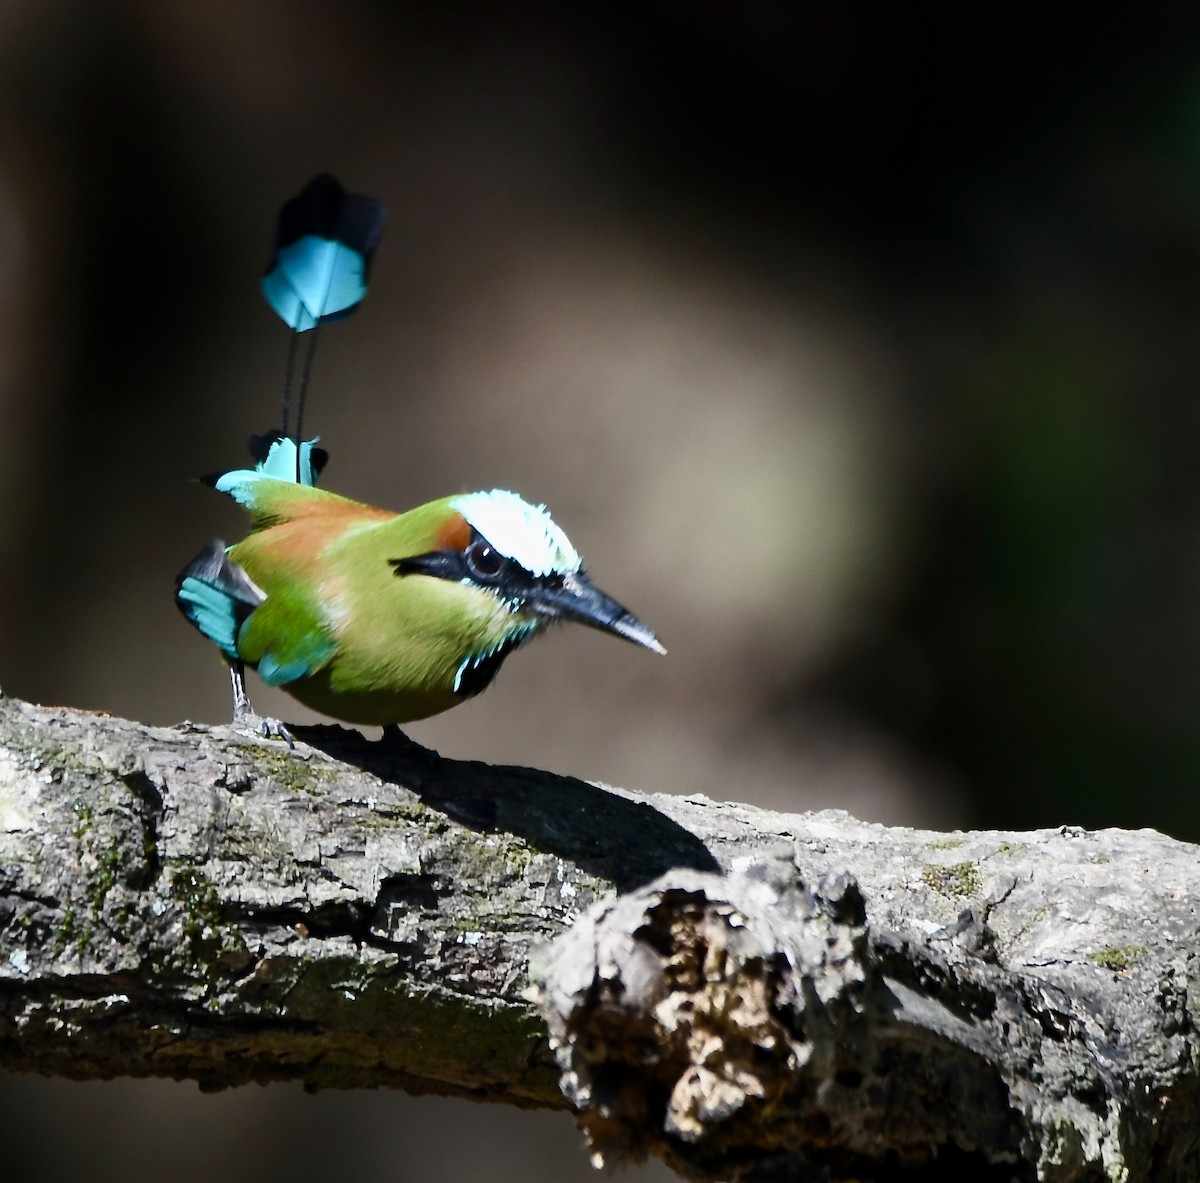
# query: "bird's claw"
267,728
275,729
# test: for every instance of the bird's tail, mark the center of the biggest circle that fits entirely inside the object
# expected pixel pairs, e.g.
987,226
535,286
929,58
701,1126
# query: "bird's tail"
279,456
318,272
322,257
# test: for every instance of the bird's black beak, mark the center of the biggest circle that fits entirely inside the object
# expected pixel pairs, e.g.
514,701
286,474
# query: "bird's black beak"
578,599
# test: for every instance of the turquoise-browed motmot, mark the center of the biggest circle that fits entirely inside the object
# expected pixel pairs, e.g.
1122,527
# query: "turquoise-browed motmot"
363,614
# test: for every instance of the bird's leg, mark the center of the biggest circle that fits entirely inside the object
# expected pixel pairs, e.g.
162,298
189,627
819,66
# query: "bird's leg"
241,700
244,714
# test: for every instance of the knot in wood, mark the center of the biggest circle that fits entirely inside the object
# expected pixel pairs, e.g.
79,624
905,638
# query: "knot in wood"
684,1011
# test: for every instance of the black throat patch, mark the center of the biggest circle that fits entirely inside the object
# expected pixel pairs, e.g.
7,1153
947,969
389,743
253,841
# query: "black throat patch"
477,675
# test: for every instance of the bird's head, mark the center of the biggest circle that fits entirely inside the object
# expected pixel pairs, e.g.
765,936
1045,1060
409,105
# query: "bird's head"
515,552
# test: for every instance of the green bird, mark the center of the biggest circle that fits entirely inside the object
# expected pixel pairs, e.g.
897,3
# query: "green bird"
375,617
359,613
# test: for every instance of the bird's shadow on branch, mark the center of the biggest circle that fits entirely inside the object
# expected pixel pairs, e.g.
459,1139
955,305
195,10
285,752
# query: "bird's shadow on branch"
603,832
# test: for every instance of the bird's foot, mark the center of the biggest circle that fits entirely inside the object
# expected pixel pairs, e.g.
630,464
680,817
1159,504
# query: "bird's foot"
261,725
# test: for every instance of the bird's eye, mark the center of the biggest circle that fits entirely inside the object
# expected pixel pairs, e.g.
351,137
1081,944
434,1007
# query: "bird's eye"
483,561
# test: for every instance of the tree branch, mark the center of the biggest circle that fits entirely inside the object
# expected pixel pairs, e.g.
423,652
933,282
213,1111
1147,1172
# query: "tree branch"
747,994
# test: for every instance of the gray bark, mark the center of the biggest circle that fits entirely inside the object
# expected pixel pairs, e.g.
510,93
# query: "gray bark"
747,994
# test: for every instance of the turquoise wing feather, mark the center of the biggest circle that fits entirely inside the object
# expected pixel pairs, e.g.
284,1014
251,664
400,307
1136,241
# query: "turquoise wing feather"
285,640
217,596
283,634
271,619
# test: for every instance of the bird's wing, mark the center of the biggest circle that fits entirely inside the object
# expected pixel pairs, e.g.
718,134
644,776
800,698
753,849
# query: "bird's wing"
290,634
283,634
286,638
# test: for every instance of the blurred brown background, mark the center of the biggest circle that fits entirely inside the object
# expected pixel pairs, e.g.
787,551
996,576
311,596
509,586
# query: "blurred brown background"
857,350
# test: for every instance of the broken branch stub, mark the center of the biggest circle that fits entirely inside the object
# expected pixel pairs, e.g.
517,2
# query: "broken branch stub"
738,1024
